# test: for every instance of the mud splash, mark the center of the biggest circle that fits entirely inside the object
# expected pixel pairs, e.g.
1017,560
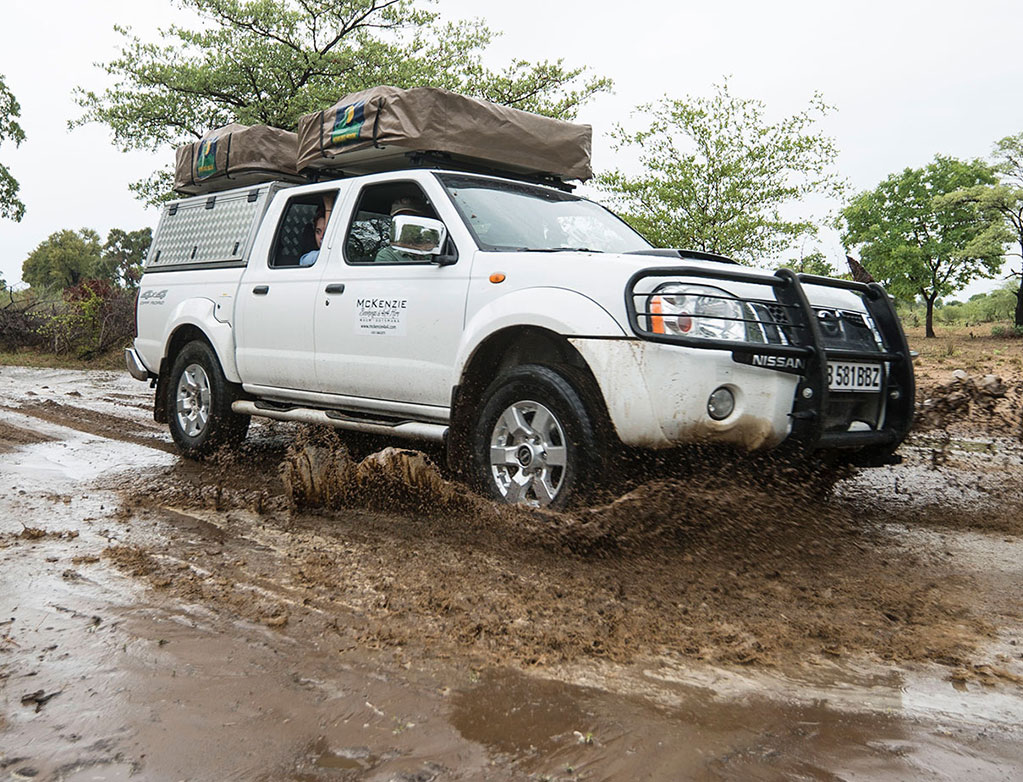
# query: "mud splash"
319,471
716,568
973,404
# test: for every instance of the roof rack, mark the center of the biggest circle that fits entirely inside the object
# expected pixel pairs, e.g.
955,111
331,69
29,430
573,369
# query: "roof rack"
449,163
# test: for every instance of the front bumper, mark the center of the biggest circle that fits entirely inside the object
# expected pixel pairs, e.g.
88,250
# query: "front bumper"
656,395
799,350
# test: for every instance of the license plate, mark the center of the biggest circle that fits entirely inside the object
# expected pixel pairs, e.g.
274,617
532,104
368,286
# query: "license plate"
845,376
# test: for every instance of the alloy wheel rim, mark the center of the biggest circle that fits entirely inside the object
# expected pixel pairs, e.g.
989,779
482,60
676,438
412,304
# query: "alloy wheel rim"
528,454
193,400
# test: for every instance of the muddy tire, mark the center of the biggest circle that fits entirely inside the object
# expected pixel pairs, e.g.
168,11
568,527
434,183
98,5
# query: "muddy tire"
535,441
199,401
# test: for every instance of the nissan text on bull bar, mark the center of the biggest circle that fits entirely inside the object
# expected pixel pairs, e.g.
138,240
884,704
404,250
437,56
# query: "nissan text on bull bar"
445,285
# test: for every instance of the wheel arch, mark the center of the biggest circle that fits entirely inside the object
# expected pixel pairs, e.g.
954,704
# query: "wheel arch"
181,335
514,346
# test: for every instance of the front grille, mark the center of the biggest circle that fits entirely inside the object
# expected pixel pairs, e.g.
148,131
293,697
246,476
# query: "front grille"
847,330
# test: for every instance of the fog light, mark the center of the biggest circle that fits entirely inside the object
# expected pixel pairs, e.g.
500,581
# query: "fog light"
721,404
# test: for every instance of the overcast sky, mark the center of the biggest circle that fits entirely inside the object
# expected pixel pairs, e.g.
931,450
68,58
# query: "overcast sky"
909,80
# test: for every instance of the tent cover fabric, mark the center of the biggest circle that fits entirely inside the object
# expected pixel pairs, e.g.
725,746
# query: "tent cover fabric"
235,156
374,130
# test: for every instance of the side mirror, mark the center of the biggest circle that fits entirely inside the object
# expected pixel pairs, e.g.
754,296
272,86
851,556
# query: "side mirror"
415,235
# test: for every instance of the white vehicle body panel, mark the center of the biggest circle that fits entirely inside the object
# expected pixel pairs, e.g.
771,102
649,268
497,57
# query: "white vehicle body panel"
656,395
200,298
275,309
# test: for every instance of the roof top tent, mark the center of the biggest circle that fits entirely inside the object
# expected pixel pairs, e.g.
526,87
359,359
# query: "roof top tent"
236,156
386,128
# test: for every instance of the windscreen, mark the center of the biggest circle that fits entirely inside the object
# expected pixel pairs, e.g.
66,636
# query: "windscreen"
513,217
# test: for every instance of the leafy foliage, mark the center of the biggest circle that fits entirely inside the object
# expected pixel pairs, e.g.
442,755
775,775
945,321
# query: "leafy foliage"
11,206
1004,201
63,260
123,255
718,175
919,244
811,263
67,258
981,308
95,316
262,62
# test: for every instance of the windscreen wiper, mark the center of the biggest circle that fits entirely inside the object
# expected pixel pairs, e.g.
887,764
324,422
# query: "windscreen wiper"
558,250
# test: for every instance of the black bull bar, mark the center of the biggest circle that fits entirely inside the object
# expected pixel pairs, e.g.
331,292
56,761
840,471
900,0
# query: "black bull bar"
803,340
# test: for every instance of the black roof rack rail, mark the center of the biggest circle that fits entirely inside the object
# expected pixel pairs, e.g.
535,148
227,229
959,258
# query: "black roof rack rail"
428,159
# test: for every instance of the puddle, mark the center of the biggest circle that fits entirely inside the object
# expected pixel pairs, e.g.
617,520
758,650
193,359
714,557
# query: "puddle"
674,725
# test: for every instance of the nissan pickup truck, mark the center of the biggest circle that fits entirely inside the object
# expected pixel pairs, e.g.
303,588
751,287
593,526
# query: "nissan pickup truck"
529,330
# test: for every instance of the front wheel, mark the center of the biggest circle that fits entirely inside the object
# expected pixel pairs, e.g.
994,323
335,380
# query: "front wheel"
535,441
199,401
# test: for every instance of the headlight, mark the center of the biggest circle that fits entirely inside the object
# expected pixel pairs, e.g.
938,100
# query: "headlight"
697,311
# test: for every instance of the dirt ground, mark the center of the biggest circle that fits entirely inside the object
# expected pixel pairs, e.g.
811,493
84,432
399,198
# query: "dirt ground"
316,608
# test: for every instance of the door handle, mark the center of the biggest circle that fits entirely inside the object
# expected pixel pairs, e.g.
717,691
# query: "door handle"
336,287
261,290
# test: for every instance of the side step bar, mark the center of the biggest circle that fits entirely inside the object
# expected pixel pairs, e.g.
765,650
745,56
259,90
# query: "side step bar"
413,430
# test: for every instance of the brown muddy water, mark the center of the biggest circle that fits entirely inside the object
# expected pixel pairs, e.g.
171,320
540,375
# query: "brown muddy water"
299,612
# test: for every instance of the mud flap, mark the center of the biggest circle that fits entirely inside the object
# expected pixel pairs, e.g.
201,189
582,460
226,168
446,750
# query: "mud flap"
160,404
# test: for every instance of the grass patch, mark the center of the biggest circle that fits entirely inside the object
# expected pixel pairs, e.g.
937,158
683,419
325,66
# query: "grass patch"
112,359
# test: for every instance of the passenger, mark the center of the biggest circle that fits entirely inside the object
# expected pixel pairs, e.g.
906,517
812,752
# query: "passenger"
319,225
392,253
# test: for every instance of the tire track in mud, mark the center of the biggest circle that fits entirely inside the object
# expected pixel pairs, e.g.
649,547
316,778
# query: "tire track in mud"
89,421
12,437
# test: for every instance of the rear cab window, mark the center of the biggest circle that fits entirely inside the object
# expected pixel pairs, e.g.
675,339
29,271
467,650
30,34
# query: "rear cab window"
301,230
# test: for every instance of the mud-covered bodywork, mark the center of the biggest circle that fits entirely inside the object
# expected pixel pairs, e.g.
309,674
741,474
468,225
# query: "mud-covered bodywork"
839,344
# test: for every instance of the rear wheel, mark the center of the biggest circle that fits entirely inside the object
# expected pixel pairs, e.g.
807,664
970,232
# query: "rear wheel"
535,442
199,401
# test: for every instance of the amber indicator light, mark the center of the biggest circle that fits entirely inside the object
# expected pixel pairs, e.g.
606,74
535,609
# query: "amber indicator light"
497,277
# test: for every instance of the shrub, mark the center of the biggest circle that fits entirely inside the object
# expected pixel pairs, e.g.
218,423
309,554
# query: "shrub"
93,317
22,318
1007,332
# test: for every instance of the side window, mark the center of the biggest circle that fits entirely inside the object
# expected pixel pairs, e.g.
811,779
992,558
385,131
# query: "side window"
301,230
369,235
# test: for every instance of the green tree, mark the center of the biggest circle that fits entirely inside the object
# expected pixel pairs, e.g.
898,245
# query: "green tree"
11,206
919,244
123,255
719,177
1003,200
810,263
262,62
63,260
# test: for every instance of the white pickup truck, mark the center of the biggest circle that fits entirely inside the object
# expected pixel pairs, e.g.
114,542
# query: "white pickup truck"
531,331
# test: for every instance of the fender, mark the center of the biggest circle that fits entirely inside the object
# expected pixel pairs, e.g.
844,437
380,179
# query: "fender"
561,310
200,313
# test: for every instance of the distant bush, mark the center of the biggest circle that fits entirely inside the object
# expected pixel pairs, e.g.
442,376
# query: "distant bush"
1009,332
22,317
93,317
997,305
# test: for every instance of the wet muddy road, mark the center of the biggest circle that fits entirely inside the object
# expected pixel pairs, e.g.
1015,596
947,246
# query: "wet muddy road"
164,620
